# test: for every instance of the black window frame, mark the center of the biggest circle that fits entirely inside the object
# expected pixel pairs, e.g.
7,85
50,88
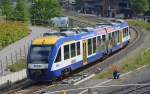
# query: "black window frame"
73,52
127,31
103,38
66,52
94,44
98,40
59,56
113,35
41,55
90,48
78,48
109,36
124,32
118,36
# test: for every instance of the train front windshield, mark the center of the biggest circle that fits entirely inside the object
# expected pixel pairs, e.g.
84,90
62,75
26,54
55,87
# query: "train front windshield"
40,54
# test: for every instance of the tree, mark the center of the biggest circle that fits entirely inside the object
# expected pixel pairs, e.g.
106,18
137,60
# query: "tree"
43,10
0,12
139,6
148,12
21,11
79,4
7,9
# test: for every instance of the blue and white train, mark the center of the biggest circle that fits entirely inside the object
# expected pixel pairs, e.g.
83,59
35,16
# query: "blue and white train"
57,54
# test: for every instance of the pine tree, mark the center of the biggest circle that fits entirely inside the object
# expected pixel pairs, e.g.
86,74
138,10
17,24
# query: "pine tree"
21,11
7,9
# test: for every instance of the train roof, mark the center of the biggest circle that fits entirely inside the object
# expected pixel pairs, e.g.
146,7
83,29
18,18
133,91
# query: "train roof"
52,37
49,40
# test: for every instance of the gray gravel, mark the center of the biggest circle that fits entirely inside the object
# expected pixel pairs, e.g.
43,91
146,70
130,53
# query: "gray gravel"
138,77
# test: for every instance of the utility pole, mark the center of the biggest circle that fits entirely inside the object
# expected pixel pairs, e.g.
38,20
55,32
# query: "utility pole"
105,7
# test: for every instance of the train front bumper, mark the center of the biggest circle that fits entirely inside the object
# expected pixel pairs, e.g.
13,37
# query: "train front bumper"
42,75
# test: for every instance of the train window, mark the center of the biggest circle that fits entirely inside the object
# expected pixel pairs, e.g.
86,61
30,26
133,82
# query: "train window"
113,34
89,46
103,38
40,54
118,36
124,32
109,36
127,31
73,50
94,45
78,48
99,40
58,58
113,37
66,52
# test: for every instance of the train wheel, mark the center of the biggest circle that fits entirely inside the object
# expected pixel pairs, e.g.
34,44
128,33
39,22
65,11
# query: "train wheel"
66,71
110,52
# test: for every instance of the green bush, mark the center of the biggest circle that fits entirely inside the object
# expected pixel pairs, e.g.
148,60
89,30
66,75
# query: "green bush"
11,32
17,66
140,23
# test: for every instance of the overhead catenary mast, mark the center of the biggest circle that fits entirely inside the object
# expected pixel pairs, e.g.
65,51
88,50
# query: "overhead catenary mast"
106,7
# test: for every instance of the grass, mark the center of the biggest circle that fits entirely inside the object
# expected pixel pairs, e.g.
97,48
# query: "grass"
139,23
17,66
11,32
128,65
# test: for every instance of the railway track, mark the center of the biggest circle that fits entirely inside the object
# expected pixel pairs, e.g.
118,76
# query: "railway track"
67,82
86,18
142,88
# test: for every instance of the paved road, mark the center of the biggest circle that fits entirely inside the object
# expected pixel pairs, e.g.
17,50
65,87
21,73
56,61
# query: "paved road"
15,48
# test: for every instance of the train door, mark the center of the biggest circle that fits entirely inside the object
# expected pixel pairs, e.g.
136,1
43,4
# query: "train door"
104,43
120,38
84,52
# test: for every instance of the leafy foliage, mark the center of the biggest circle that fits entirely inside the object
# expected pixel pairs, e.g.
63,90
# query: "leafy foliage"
43,10
7,9
17,66
79,3
139,6
11,32
140,23
21,11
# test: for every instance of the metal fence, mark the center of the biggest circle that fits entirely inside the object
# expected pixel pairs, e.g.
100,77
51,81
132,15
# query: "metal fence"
11,55
12,58
7,77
